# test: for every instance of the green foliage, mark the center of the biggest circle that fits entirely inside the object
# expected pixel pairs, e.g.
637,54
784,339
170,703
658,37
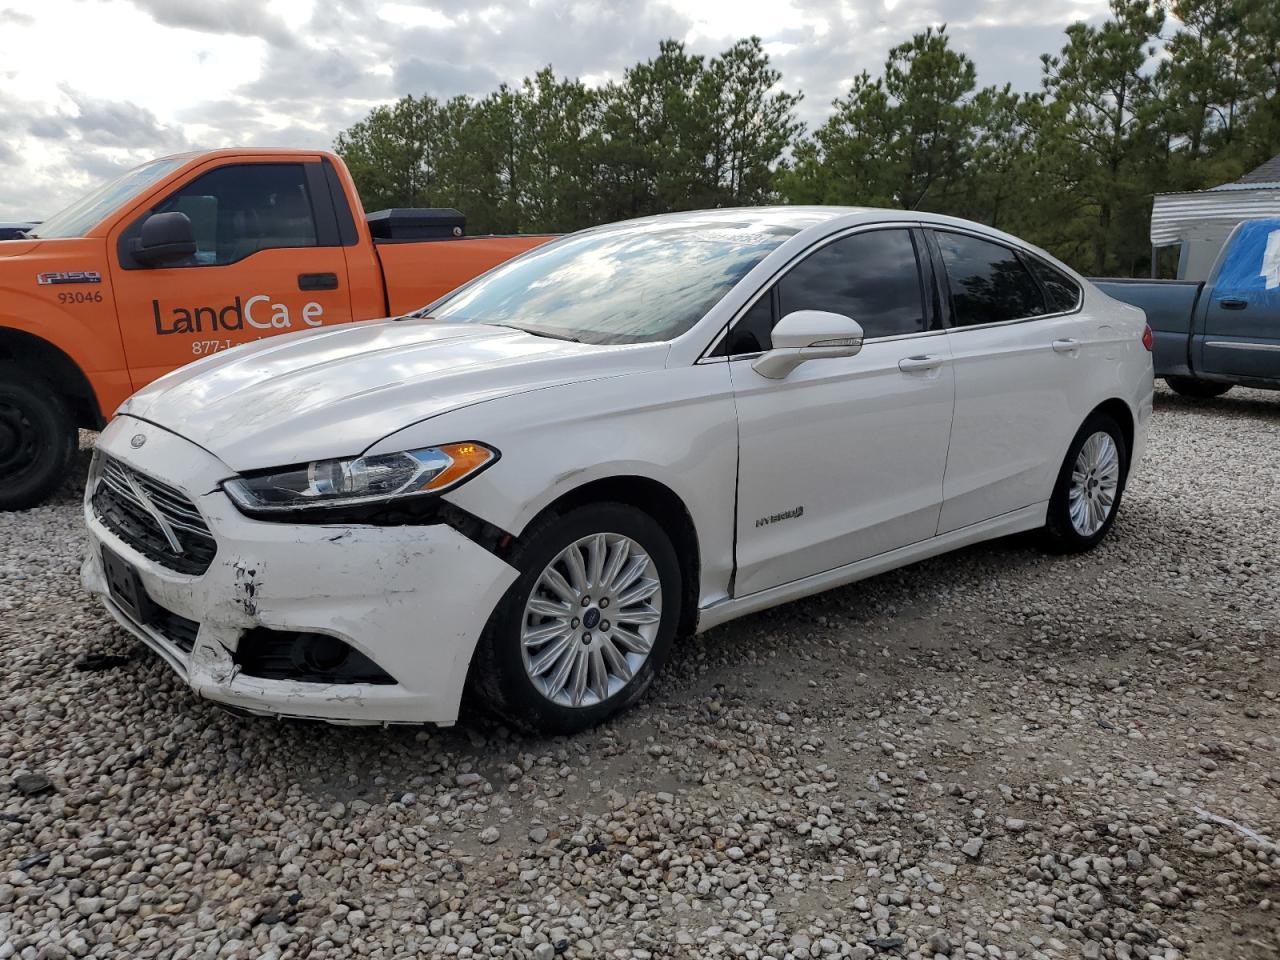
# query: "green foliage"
1126,108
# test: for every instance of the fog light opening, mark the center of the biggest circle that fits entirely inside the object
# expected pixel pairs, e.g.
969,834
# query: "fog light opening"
305,657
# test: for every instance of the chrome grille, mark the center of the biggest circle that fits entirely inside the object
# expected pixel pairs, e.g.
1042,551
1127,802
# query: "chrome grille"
157,520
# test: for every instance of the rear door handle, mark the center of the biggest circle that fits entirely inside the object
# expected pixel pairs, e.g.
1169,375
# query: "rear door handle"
1066,345
317,281
1233,303
914,364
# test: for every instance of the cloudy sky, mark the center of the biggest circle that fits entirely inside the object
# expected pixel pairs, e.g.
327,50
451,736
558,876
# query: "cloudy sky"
89,87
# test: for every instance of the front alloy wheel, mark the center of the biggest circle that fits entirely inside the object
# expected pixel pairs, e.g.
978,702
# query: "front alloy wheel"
591,620
586,625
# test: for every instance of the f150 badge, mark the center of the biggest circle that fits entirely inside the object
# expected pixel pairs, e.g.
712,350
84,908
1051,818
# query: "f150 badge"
70,276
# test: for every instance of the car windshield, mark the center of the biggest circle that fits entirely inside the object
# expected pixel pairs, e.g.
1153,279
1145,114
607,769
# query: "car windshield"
637,282
89,211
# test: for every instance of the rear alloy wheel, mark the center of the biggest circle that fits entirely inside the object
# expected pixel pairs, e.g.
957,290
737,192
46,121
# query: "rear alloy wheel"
38,439
1090,484
1197,389
588,623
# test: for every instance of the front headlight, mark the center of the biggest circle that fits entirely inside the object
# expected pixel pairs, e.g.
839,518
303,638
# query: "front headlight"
360,480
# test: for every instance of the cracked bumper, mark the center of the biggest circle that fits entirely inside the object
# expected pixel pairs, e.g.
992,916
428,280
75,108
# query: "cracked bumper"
412,599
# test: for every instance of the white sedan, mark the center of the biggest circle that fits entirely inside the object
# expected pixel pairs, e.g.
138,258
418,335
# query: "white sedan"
539,484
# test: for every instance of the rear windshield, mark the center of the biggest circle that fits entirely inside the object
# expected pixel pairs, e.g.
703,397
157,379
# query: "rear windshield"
89,211
637,282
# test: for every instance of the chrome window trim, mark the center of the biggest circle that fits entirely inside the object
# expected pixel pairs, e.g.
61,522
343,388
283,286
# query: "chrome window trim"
787,267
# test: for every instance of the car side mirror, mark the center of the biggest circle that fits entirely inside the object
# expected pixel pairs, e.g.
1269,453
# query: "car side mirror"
808,335
164,237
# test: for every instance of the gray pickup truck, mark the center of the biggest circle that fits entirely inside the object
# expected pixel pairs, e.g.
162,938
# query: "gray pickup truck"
1225,331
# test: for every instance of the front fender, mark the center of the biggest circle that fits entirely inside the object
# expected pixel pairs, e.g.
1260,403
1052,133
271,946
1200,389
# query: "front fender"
676,427
84,328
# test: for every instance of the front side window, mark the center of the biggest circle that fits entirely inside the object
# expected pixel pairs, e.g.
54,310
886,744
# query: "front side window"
872,277
237,210
638,282
988,282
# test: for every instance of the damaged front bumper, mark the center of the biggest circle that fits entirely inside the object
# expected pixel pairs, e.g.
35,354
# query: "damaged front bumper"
412,599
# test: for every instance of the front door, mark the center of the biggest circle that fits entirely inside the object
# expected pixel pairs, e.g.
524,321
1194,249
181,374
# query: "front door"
1241,338
265,264
842,459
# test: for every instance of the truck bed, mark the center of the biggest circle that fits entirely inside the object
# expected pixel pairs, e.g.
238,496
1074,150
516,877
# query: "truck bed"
416,272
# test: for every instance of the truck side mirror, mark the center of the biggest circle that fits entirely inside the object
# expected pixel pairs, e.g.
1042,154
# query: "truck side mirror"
164,237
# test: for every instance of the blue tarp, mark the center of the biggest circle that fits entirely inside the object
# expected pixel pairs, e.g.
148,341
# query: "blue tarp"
1251,264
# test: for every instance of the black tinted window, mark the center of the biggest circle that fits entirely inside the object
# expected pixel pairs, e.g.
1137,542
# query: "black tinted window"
1060,290
988,283
239,210
871,277
751,333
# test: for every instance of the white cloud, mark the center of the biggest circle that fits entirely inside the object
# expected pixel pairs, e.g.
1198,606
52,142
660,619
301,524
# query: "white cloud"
88,87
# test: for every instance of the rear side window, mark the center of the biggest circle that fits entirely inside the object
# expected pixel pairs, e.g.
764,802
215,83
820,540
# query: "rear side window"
1060,290
237,210
988,282
872,277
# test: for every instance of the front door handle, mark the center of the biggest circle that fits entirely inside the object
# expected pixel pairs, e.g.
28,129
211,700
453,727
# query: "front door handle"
1233,303
1066,345
917,364
317,281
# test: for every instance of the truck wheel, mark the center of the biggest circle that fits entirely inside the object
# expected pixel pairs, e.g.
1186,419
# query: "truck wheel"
586,626
1090,484
1197,389
38,439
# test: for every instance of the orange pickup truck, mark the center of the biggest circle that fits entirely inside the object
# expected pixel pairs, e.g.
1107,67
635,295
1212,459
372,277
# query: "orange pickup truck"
188,255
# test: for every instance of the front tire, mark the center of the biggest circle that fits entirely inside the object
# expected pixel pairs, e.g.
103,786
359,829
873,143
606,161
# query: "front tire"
1086,497
588,623
1197,389
38,439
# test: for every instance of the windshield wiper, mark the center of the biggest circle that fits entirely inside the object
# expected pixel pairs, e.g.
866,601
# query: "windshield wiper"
540,333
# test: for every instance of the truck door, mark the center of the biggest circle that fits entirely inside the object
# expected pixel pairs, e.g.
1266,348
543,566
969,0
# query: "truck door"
1241,338
268,260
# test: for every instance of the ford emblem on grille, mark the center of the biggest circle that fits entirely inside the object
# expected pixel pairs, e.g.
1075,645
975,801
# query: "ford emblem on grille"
138,440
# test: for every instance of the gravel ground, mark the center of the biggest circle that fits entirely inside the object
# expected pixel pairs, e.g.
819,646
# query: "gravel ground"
994,754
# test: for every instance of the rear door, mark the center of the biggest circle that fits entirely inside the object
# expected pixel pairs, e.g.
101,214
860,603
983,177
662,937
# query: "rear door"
843,458
1241,318
268,260
1021,348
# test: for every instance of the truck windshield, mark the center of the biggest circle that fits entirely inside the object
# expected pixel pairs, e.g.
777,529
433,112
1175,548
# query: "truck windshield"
89,211
637,282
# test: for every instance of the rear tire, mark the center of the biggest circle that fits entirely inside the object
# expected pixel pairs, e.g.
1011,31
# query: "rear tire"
38,439
586,619
1197,389
1086,497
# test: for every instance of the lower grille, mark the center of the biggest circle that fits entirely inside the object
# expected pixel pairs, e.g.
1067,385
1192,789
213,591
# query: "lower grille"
146,513
179,631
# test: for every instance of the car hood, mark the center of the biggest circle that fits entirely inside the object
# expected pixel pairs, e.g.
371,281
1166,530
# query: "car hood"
335,392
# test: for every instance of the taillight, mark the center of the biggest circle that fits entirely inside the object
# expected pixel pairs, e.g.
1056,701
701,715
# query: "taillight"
1148,338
